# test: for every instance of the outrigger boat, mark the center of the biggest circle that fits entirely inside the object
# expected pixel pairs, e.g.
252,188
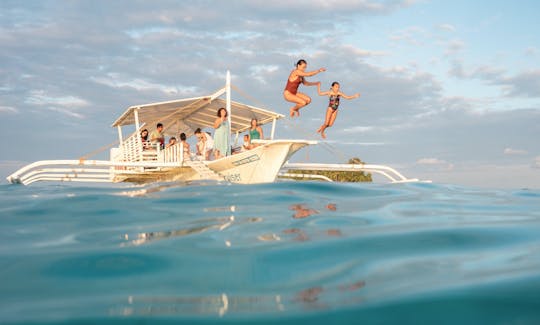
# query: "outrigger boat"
130,163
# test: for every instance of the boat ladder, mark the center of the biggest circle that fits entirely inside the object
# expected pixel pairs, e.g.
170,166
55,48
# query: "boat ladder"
202,169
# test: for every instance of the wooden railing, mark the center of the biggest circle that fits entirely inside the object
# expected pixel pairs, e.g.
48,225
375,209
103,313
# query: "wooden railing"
133,150
174,153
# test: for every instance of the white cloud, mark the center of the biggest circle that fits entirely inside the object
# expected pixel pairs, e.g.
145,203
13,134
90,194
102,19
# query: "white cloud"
67,105
40,97
525,84
359,129
412,35
536,162
435,162
355,51
454,46
357,143
511,151
8,109
430,161
114,80
532,51
447,27
65,111
261,71
364,6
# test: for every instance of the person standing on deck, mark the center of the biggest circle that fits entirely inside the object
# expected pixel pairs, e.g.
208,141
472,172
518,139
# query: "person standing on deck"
221,136
255,132
291,93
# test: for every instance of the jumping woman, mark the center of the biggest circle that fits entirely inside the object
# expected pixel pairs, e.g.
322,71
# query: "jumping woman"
296,77
331,112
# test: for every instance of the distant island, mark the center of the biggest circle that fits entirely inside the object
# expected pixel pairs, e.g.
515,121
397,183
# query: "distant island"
336,176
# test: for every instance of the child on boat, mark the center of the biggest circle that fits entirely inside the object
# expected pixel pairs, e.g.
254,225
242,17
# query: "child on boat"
183,142
331,112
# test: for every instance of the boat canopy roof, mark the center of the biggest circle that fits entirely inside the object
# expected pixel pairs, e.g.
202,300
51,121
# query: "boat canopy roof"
186,115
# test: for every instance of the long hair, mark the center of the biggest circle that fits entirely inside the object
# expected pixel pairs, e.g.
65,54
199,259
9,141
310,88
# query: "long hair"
219,110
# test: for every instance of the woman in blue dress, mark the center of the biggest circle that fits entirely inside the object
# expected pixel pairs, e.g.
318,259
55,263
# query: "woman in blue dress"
221,136
255,131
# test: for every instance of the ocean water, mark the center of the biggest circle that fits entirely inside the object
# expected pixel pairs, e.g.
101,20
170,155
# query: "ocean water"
287,252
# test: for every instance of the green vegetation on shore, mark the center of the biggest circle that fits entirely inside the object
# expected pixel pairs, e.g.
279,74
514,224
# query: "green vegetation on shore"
337,176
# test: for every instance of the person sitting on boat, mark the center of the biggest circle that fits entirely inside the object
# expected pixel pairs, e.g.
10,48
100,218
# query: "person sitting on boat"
172,142
144,139
255,132
247,143
291,93
221,136
184,143
157,137
205,144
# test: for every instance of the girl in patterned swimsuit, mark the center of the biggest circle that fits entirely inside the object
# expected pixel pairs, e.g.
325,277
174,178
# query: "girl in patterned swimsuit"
331,112
291,93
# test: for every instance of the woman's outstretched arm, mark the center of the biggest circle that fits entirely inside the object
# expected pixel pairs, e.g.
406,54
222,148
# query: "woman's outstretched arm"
321,93
310,73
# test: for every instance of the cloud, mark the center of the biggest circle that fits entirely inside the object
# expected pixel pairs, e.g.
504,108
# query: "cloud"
115,80
413,35
350,50
454,46
8,109
531,51
363,7
359,129
430,161
536,162
260,72
511,151
435,162
161,51
491,74
447,27
67,105
525,84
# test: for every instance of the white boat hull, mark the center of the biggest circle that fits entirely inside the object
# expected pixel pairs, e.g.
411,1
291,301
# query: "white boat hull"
259,165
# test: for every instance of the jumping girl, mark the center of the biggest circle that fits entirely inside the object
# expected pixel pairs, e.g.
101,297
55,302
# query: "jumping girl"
296,77
331,112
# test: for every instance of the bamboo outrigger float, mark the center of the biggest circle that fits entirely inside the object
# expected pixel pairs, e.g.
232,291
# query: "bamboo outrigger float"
130,163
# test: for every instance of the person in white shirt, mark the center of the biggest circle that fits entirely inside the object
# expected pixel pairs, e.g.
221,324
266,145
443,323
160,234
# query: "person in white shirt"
205,144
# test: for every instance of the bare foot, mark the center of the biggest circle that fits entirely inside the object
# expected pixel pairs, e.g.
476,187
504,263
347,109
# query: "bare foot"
323,135
294,112
291,112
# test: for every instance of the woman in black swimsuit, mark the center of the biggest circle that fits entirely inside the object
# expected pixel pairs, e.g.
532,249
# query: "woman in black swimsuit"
331,112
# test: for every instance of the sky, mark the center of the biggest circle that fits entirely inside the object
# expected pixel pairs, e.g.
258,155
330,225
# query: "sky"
450,90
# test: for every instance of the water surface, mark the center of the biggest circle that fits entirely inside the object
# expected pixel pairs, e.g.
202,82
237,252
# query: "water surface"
286,252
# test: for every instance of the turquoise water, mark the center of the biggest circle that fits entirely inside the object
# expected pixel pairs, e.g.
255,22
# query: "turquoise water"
285,253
